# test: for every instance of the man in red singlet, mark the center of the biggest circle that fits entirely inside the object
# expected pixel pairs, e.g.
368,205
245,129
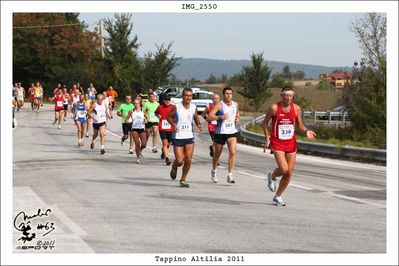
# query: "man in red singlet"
58,107
285,115
165,128
211,123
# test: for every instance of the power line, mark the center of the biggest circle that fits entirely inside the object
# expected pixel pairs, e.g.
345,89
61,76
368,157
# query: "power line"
46,26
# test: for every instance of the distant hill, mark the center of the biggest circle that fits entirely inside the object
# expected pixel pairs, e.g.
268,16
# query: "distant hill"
201,68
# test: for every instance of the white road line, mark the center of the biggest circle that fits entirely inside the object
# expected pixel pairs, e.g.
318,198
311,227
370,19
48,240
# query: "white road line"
355,199
333,194
264,177
114,134
301,157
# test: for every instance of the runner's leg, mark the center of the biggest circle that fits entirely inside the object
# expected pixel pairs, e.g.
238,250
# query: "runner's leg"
290,159
232,146
216,155
188,157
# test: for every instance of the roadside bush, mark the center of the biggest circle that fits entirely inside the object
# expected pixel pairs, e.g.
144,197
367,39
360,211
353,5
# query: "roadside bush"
324,84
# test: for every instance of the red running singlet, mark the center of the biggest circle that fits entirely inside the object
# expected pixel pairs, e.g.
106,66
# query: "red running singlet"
283,137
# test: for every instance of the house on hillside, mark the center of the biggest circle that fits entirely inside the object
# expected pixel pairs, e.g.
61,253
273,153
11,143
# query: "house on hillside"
338,79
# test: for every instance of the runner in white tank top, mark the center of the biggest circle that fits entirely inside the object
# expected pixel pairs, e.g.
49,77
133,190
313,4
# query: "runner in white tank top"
181,117
99,112
138,119
227,115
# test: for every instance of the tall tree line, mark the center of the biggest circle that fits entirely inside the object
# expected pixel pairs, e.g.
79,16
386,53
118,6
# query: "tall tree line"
58,48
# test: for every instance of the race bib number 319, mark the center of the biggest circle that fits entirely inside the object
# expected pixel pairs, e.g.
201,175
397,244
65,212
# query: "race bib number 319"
285,132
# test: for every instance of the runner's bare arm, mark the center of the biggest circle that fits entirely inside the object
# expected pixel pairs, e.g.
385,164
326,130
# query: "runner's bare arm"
237,115
308,133
269,114
205,112
90,112
170,118
128,116
196,119
212,114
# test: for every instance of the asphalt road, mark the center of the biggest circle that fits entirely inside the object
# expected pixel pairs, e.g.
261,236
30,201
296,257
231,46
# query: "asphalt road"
109,204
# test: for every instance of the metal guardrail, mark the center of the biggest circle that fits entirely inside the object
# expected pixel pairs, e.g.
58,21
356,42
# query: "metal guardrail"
357,152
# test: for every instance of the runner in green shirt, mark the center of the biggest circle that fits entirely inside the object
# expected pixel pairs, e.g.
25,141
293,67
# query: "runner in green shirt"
149,108
122,111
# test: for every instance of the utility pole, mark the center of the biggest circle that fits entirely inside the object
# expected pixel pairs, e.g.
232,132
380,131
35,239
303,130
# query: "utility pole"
101,38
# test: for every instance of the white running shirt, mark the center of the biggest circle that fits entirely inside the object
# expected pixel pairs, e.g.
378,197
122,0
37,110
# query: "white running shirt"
101,113
184,119
227,126
138,120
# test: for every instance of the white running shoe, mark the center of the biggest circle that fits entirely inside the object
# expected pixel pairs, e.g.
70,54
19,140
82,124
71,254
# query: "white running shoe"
138,161
278,201
59,126
130,151
270,182
87,135
230,179
214,176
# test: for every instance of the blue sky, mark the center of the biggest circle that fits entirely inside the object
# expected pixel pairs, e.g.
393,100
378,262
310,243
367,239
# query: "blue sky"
307,38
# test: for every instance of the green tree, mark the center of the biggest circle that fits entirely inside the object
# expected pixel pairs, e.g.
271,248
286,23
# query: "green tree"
277,81
223,78
298,75
366,97
254,79
52,48
157,67
234,80
287,72
121,54
324,84
212,79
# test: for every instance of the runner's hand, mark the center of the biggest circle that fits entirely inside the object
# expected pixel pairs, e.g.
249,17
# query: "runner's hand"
200,127
225,116
266,146
310,134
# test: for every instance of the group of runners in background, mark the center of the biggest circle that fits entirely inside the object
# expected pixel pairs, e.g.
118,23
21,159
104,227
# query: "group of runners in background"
142,118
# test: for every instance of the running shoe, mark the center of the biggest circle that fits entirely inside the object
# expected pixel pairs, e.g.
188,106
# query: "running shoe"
270,182
173,174
214,177
154,150
167,161
59,126
230,179
87,135
64,119
122,141
278,201
138,161
92,145
183,183
162,156
102,151
211,151
130,151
